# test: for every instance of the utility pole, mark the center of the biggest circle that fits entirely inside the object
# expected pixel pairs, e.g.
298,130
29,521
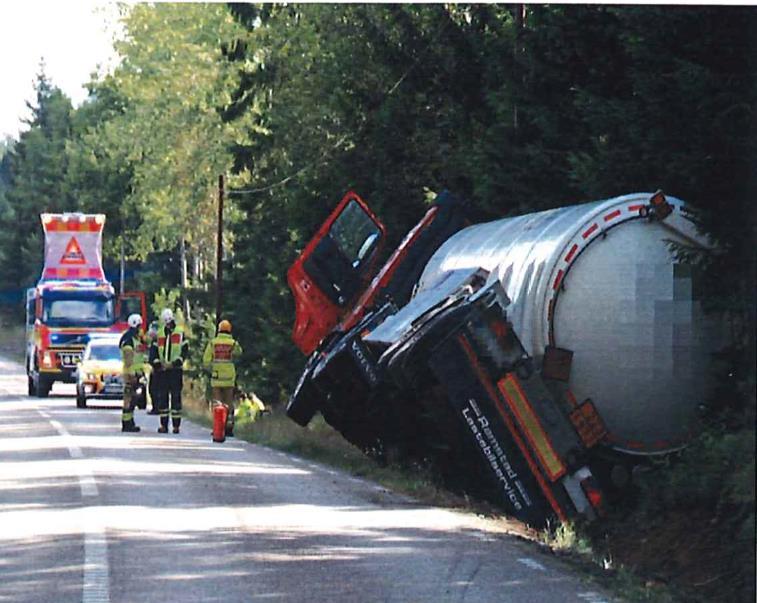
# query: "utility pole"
122,267
219,252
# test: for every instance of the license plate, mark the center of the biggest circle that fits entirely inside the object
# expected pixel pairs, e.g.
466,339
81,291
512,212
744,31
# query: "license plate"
68,359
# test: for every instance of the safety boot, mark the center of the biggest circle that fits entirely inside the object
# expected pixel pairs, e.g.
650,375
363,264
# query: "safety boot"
129,426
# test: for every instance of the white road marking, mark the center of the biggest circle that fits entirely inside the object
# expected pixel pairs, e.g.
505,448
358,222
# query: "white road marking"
87,481
532,563
96,586
96,577
592,597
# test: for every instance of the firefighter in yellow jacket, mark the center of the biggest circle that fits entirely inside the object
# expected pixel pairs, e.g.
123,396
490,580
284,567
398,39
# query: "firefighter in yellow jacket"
133,350
219,356
168,351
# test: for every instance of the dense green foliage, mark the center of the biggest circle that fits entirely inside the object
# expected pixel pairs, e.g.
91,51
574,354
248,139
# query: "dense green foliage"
516,108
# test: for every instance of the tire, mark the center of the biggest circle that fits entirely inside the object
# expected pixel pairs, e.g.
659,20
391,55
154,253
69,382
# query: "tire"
302,406
42,386
30,390
81,399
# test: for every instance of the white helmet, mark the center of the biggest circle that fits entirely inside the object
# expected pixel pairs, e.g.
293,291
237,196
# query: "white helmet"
135,321
166,315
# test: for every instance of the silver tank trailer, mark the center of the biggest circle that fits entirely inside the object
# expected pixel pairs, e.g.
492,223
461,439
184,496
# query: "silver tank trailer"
602,281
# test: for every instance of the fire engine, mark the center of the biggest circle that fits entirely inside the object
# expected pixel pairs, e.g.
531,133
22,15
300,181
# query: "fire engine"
71,301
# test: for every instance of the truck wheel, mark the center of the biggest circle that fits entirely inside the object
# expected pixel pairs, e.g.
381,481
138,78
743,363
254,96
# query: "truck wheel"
302,407
42,386
81,399
30,389
303,404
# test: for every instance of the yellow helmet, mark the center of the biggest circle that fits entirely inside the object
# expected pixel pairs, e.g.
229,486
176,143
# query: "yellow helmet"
224,326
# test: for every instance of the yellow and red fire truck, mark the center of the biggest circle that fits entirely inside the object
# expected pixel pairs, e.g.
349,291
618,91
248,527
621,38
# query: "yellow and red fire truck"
71,301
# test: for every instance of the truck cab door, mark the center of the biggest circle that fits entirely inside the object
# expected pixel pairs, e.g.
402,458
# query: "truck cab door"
128,303
333,269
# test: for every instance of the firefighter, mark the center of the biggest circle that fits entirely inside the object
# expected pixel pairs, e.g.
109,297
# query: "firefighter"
133,348
219,356
167,354
152,335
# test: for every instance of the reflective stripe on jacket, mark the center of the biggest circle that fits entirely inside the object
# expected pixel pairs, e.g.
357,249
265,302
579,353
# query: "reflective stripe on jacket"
171,345
220,354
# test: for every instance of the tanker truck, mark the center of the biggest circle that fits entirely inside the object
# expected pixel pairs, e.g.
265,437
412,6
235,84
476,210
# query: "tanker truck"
71,301
532,360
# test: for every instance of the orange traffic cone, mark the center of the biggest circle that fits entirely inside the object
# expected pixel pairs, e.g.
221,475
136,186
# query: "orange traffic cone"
220,412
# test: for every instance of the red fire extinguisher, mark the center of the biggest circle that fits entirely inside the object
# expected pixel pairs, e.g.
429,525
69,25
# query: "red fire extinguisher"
220,412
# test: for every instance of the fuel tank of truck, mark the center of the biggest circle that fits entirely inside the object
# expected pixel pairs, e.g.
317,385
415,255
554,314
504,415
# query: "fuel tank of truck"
602,280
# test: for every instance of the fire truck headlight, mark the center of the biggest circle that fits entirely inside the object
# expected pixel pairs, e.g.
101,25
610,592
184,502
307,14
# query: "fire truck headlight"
47,359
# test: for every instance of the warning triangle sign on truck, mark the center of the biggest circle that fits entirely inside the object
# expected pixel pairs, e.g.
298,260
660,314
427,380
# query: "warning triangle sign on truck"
73,253
73,247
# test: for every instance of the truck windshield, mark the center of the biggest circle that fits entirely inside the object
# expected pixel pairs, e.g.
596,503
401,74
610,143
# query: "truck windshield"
72,312
354,231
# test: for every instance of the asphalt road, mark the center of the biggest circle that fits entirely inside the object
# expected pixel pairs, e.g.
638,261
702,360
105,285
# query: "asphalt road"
90,514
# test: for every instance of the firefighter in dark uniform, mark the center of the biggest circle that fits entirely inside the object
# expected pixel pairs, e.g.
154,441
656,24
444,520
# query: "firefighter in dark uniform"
133,347
152,335
167,355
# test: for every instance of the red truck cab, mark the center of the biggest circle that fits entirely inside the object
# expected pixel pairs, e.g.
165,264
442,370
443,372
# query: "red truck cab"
333,270
335,278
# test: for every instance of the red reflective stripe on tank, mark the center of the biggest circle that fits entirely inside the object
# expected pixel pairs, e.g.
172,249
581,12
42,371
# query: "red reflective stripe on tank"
612,215
590,230
558,279
572,252
495,397
635,207
175,338
161,341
